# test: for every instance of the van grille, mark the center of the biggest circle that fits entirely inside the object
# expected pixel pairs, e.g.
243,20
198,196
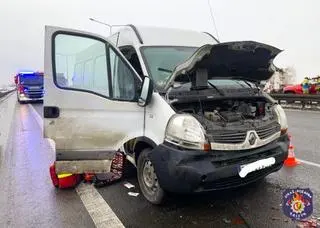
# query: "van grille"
268,130
228,136
235,137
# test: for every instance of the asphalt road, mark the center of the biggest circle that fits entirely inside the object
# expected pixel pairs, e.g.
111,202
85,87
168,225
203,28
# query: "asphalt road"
30,200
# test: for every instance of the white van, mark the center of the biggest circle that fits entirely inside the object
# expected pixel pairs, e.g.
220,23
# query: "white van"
185,109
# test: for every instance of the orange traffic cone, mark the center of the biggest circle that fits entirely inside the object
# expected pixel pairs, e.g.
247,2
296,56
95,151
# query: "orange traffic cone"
291,160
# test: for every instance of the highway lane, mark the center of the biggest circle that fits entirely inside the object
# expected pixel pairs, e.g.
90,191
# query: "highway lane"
27,196
305,129
258,204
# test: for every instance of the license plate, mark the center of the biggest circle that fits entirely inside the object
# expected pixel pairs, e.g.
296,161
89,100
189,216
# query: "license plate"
257,165
33,87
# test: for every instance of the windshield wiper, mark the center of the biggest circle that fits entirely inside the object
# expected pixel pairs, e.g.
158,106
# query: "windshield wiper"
165,70
218,90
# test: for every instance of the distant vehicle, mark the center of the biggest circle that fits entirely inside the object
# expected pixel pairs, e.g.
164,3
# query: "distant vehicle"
297,89
29,86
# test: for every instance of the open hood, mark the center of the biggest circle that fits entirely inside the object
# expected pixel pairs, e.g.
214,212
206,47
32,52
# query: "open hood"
247,60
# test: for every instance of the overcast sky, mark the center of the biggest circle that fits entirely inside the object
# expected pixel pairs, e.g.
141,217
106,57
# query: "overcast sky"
291,25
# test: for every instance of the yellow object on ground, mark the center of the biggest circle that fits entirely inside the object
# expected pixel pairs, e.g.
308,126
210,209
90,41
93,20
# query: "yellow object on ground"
64,175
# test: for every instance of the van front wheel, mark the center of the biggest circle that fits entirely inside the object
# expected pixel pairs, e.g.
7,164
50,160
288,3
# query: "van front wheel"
148,180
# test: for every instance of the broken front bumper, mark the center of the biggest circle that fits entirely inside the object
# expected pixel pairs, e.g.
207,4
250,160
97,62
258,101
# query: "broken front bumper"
185,171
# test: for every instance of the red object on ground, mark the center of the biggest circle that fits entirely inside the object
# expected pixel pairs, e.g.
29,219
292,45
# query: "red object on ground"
54,177
291,160
69,181
63,180
88,176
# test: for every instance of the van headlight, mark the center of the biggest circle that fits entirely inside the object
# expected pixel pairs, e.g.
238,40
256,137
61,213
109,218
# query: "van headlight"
282,118
184,130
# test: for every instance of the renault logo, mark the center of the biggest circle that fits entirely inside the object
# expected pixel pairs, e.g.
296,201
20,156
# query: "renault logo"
252,138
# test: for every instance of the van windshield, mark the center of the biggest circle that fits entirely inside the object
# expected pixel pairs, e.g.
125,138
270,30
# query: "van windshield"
161,61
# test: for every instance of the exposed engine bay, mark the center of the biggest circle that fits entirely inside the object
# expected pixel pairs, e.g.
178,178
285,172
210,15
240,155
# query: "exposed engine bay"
226,110
233,116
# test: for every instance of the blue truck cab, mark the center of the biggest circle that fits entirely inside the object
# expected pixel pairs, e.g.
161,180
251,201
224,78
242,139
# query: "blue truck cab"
29,86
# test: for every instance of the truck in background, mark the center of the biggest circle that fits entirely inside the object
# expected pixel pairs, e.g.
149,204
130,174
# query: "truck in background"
29,86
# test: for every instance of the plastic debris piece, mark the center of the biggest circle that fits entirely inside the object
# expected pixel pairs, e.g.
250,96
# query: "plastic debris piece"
88,177
103,179
275,218
128,185
133,194
308,223
226,220
238,220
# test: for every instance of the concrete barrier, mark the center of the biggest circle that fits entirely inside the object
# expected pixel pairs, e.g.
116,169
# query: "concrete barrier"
7,110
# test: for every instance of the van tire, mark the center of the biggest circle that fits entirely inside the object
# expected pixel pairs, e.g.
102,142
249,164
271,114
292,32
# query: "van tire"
156,195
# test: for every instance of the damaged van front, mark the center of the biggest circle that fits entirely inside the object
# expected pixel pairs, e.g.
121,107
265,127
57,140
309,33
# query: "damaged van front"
184,109
226,132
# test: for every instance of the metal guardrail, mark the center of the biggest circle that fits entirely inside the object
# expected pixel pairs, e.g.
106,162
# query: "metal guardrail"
300,101
2,94
296,97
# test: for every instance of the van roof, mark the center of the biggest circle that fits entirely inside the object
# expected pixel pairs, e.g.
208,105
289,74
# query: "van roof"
161,36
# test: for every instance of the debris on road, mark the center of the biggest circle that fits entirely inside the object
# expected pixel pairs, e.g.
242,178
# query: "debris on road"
88,177
228,221
103,179
310,223
133,194
238,220
275,218
128,185
63,180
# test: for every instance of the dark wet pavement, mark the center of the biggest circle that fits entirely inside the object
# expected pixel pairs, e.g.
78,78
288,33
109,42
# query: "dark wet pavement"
28,198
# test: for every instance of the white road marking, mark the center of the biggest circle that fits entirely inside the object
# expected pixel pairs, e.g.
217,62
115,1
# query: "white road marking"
309,163
99,210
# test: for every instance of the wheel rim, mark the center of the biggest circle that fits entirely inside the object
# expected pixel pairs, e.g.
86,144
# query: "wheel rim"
149,177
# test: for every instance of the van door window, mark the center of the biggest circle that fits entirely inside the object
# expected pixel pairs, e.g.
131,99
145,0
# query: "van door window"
77,78
86,67
100,83
123,79
88,75
131,55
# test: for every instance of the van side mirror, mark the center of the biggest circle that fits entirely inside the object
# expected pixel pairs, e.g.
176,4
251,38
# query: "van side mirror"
146,92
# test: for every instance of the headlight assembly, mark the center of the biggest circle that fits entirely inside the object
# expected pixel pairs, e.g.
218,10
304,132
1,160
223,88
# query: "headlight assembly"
282,118
184,130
